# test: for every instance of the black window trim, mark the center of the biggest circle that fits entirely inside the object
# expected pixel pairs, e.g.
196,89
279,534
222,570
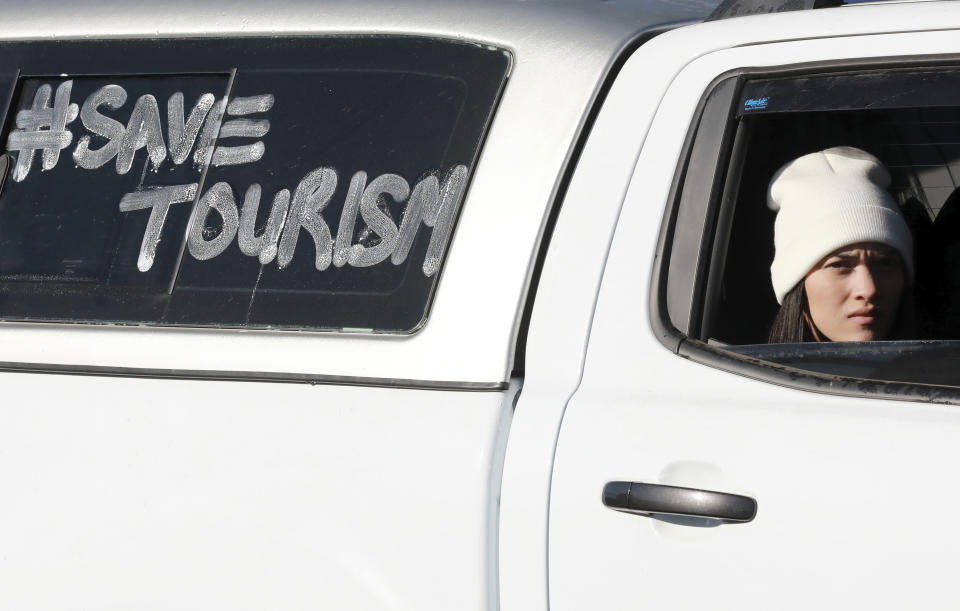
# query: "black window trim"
679,341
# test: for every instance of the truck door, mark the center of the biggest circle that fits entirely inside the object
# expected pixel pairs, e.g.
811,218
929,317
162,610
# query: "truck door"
850,452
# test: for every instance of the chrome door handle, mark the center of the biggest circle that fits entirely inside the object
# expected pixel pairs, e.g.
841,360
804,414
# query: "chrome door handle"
657,499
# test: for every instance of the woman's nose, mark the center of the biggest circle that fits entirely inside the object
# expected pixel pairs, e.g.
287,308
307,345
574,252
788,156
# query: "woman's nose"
865,286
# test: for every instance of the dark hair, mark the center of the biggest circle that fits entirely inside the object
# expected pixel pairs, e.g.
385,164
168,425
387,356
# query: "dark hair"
792,324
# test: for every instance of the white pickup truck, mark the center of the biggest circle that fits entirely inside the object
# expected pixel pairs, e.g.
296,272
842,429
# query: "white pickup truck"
451,305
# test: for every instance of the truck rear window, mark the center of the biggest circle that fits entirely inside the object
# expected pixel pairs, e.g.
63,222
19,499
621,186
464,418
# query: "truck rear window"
309,183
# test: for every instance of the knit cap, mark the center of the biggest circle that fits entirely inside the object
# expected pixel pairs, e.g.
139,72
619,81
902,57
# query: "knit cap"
828,200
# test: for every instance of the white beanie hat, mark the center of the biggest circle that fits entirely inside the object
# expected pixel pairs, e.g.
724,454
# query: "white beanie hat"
828,200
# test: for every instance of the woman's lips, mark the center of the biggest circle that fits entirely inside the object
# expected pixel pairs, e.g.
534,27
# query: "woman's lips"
863,316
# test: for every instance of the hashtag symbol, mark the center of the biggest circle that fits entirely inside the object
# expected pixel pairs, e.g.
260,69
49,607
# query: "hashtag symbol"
43,128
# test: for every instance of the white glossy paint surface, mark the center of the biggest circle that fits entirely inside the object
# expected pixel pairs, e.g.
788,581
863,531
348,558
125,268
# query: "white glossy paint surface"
855,496
152,495
562,318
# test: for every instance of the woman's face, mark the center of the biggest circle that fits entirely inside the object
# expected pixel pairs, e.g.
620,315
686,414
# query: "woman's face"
854,293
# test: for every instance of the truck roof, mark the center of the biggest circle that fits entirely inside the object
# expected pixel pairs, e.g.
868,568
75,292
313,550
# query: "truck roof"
510,23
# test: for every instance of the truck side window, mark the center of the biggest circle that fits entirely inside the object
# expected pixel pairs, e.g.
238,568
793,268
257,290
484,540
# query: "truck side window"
719,293
302,183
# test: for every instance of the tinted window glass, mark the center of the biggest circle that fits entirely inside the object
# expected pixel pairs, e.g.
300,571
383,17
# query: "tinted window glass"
306,183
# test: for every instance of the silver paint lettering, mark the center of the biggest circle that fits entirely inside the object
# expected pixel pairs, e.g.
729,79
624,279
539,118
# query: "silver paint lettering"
113,97
208,137
243,128
143,130
432,201
348,219
278,216
375,218
182,134
442,218
42,128
426,194
264,245
218,198
159,200
241,106
309,199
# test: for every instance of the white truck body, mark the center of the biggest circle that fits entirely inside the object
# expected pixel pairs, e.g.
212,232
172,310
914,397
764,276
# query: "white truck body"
461,466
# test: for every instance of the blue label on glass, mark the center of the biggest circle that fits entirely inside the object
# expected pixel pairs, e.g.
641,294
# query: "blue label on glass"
756,104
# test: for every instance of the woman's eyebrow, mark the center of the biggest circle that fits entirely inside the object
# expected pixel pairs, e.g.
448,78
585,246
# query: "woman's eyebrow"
870,252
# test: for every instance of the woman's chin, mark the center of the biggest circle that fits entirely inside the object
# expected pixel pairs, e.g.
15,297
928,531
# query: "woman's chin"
859,334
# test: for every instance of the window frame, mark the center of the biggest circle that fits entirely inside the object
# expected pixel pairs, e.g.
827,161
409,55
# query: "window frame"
695,292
